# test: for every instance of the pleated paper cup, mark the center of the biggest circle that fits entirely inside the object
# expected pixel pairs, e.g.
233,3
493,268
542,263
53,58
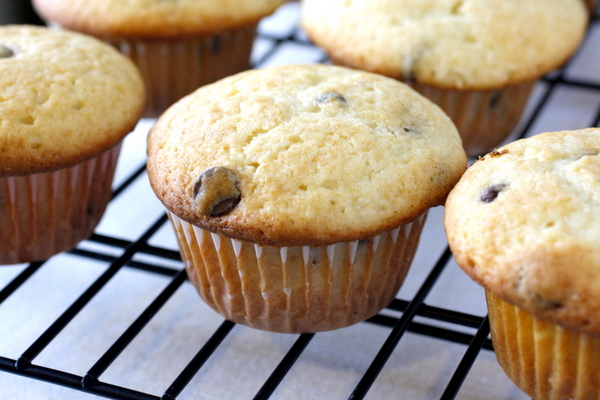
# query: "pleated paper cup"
591,4
545,360
173,68
44,214
484,118
297,289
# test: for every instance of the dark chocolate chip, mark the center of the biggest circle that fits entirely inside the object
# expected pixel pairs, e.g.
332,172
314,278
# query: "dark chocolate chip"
410,78
5,52
547,304
217,191
411,130
490,193
326,97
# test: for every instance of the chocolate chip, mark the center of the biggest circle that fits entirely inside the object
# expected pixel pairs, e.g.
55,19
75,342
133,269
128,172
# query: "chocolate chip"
326,97
411,130
5,52
547,304
490,193
217,191
410,78
408,64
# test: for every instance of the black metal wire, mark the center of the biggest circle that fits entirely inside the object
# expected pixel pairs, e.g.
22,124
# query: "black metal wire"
19,280
198,361
399,329
24,361
91,378
73,381
284,366
467,361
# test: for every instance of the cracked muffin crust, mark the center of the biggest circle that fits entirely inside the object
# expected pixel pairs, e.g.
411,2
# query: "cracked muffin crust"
298,193
154,18
522,222
67,101
64,98
452,44
178,45
477,59
323,154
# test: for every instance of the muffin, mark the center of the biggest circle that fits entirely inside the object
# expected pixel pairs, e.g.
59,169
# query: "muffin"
66,102
477,59
178,45
591,4
298,193
523,222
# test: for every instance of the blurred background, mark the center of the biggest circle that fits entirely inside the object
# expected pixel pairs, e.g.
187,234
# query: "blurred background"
17,12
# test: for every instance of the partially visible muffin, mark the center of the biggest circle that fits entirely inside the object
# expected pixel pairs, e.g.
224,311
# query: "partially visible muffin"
66,102
591,4
477,59
178,45
524,222
298,193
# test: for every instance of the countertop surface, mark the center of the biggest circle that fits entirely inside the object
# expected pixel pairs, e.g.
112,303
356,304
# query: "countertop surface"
330,366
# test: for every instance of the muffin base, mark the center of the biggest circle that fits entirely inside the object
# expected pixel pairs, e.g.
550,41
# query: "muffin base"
545,360
173,68
484,118
297,289
44,214
591,4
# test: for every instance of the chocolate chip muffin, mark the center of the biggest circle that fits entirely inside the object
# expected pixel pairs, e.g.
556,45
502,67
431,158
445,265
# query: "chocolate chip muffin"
523,222
298,193
178,45
66,102
477,59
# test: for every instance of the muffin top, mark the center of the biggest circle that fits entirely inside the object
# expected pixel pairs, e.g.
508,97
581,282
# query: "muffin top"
64,98
466,44
153,18
524,221
303,155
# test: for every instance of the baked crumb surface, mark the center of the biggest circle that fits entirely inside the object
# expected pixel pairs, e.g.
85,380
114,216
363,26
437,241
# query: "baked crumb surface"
535,242
323,154
453,44
64,98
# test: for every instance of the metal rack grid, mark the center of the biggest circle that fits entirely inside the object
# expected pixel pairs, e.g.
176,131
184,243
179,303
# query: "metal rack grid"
144,252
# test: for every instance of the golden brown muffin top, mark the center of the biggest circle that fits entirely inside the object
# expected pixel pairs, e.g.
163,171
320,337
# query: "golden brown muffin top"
154,18
303,155
455,44
524,221
64,98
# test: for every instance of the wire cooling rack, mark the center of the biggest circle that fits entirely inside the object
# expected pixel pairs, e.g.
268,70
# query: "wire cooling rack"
116,317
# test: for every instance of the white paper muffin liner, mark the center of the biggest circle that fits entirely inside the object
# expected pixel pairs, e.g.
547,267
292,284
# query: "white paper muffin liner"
44,214
297,289
173,68
484,118
591,4
545,360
